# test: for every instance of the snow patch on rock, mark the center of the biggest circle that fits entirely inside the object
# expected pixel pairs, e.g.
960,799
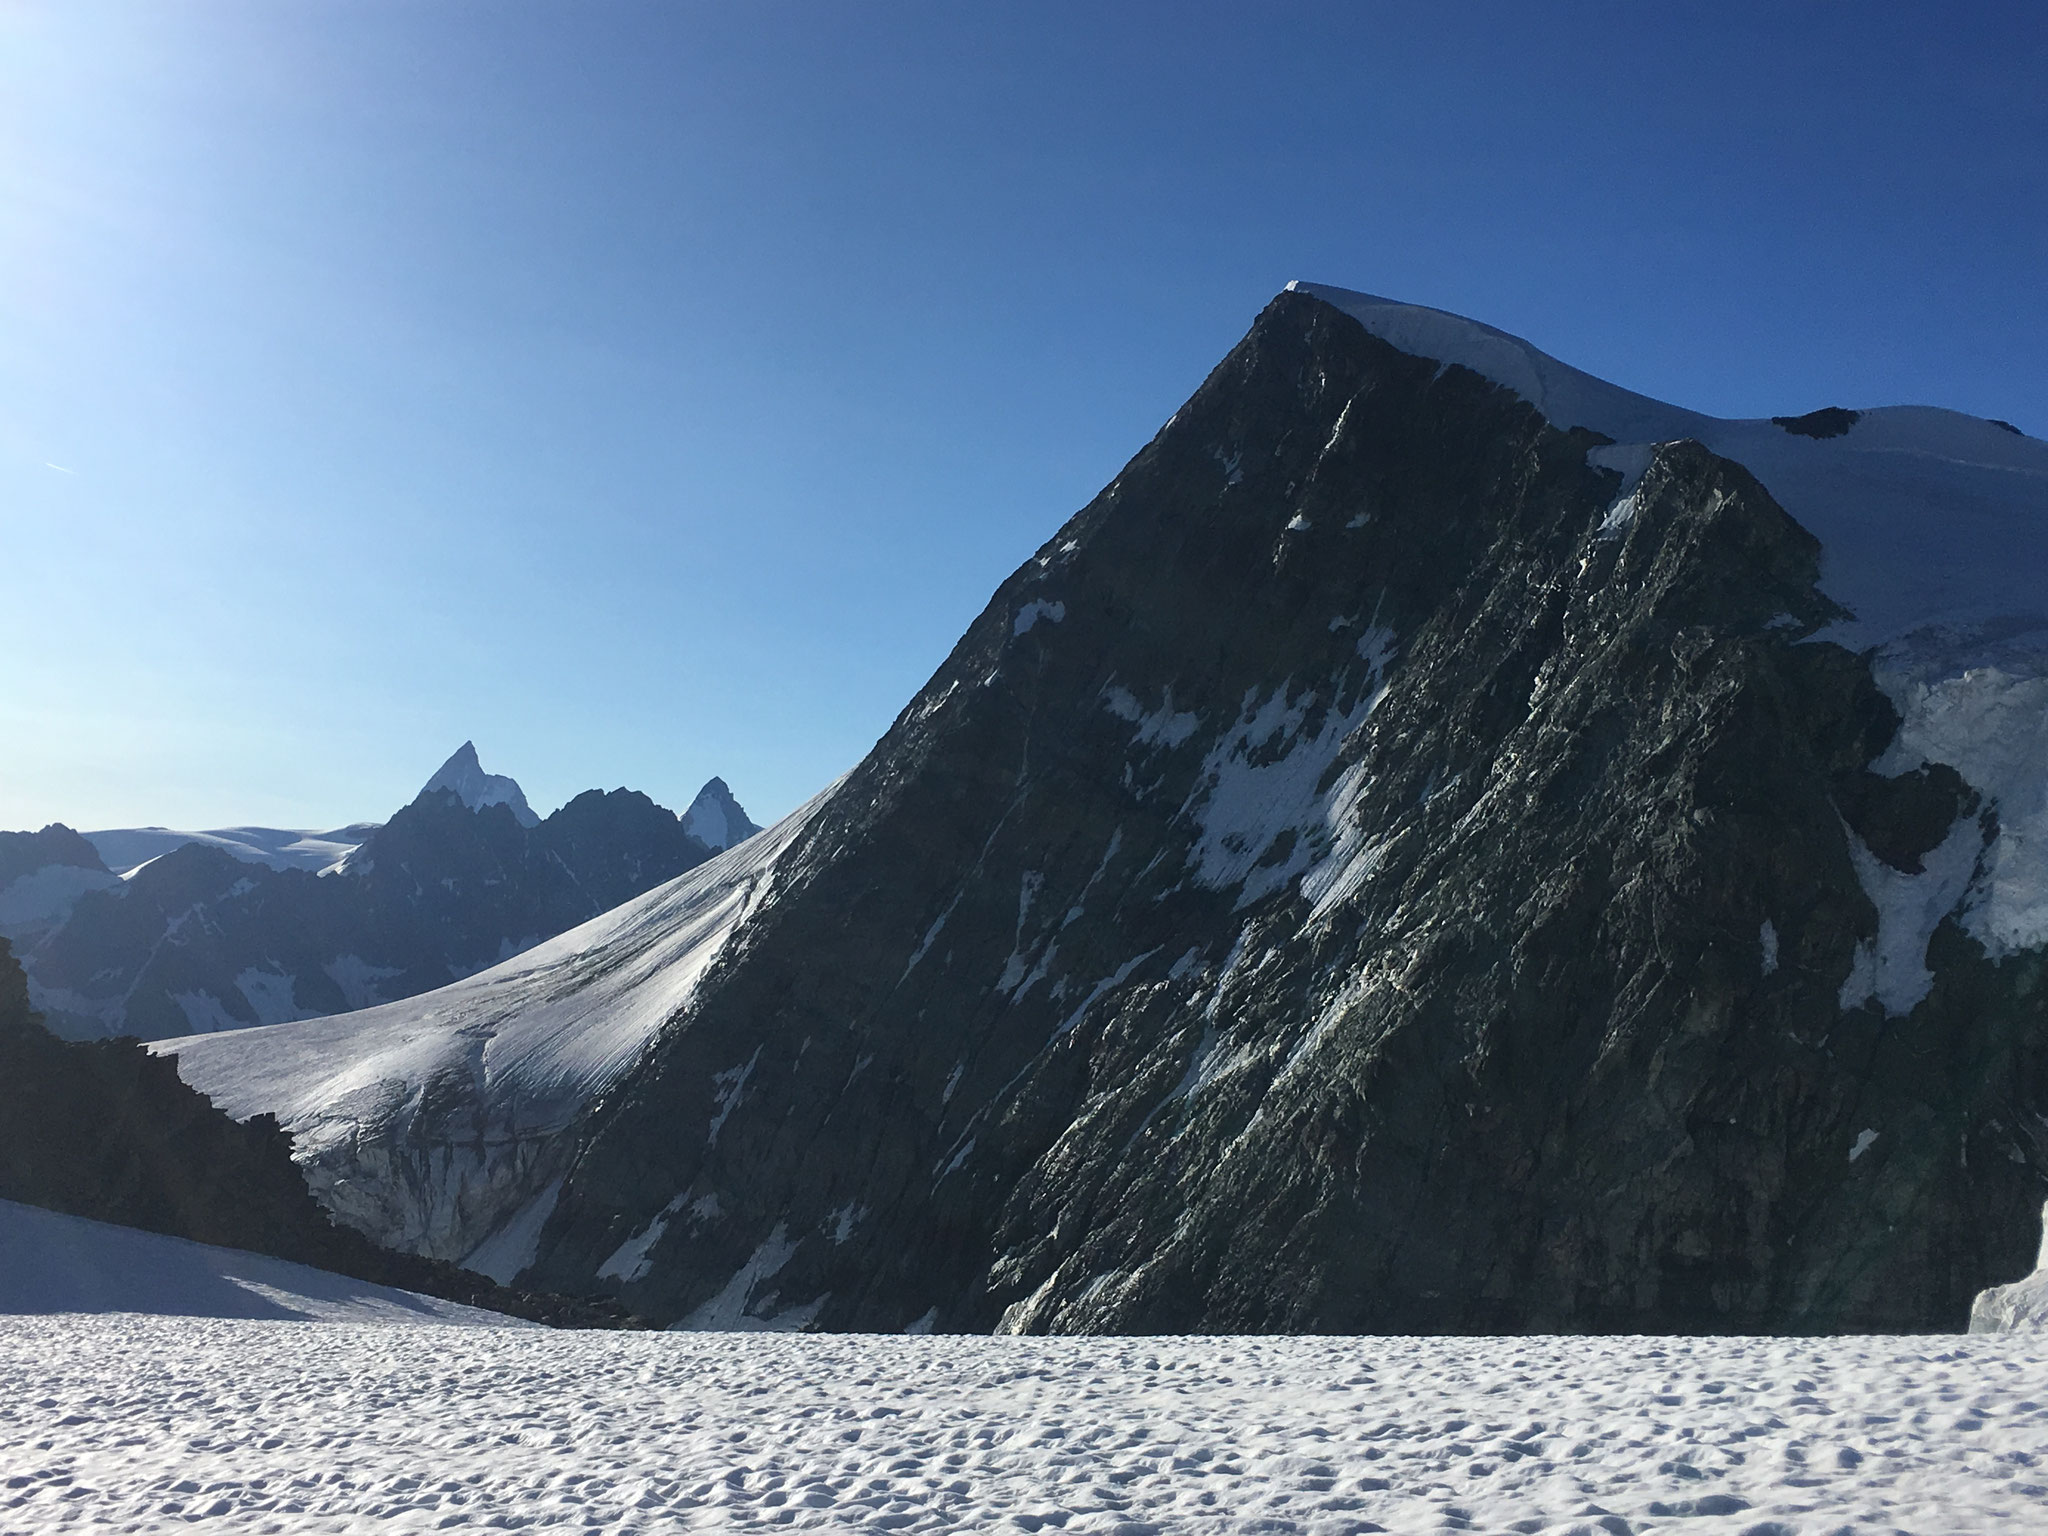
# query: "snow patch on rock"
728,1311
515,1245
1264,815
1053,611
270,995
632,1259
1161,727
1892,968
358,979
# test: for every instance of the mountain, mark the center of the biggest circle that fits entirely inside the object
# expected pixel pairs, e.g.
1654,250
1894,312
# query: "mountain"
1440,843
715,818
42,876
465,778
199,938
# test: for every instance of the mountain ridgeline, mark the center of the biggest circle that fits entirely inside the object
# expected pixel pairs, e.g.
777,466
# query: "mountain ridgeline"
466,875
1347,882
1428,848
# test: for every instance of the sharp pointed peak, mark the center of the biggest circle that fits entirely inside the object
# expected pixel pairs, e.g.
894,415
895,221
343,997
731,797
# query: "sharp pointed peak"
716,819
463,776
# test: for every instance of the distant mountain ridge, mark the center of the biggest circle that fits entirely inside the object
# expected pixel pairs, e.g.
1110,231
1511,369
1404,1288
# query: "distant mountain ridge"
125,849
213,933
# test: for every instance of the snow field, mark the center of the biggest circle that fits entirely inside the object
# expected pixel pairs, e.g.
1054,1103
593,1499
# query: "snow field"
147,1424
53,1263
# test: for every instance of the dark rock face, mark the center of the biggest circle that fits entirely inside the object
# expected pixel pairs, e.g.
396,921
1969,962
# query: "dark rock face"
104,1130
23,853
1828,421
197,940
1360,875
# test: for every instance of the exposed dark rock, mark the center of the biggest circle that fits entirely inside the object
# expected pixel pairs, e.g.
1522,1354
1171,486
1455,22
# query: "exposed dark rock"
2008,426
1903,818
1042,1027
1828,421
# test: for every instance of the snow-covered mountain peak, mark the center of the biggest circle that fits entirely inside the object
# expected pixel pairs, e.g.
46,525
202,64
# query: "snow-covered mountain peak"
716,819
476,789
1568,396
1927,517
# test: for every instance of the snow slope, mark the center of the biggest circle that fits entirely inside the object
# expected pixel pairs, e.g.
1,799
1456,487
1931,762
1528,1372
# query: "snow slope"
32,904
429,1122
55,1263
1926,516
127,849
151,1424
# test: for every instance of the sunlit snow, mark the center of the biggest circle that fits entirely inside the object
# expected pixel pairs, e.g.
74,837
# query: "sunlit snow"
143,1423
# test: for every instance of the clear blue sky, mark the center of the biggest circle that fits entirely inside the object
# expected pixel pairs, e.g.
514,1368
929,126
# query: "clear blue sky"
651,389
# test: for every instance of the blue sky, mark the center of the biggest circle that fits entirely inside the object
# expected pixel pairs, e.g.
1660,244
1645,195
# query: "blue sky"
654,390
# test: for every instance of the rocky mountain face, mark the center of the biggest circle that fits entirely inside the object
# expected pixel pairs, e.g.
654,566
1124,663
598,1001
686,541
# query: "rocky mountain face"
42,876
464,777
1352,879
104,1130
716,819
198,939
1435,845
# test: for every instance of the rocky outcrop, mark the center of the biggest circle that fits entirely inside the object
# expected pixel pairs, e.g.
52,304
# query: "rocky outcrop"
1376,868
